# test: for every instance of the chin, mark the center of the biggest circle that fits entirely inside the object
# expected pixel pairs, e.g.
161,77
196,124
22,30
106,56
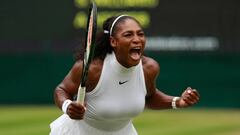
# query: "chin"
134,62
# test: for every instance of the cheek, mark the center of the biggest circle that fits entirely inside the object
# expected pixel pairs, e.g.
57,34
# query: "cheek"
123,45
124,49
144,42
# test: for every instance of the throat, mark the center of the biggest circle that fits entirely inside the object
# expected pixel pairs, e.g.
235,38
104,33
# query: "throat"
119,67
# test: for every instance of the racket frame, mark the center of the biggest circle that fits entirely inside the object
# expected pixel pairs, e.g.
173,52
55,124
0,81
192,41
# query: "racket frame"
89,50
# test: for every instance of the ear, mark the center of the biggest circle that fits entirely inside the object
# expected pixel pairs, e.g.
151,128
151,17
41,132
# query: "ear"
113,42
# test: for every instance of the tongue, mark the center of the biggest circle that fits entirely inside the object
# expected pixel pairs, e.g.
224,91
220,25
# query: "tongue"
135,55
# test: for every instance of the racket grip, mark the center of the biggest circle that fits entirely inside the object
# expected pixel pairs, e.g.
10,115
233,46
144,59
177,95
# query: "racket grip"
81,94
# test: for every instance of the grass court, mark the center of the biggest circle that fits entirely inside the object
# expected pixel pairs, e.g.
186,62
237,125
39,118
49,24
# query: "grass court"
35,120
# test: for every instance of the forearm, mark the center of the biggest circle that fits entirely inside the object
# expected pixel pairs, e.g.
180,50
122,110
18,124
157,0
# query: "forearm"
63,100
159,100
60,95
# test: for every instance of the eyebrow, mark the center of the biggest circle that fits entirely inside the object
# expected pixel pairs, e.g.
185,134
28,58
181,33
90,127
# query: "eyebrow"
140,30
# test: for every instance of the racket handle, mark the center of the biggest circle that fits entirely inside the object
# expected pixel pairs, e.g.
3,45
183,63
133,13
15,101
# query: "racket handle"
81,94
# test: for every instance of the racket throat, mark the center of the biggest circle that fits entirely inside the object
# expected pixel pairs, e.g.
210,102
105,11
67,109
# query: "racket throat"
81,94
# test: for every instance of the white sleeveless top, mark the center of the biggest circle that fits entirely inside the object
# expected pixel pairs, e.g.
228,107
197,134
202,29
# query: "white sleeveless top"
118,96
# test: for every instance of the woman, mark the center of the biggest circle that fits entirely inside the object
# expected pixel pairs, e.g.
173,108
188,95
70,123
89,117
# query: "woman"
121,83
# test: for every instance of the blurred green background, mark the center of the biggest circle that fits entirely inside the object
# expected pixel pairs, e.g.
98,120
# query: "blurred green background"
38,40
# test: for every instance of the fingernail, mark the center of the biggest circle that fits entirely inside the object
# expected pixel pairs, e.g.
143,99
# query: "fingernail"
189,91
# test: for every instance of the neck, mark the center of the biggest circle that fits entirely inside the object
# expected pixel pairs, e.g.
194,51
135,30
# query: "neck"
120,67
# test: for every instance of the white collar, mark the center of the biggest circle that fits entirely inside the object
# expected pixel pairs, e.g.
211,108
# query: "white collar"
118,67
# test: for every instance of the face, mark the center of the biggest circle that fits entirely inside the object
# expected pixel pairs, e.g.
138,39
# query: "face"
128,42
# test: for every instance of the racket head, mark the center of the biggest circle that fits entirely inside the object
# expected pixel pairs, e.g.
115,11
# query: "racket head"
90,39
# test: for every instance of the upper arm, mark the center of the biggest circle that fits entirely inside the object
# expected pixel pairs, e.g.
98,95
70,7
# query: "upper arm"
71,81
155,99
151,72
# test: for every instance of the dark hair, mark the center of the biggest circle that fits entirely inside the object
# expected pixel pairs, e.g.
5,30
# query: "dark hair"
103,45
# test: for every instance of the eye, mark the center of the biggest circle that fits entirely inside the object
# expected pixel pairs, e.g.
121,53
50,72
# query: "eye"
141,34
127,34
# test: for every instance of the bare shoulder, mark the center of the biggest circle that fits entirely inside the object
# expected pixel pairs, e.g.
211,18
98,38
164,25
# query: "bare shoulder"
150,66
94,74
77,67
76,71
151,70
95,66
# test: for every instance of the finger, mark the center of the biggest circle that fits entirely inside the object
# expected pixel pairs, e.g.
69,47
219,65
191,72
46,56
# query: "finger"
196,92
188,90
189,100
193,100
193,91
74,112
78,108
193,95
74,116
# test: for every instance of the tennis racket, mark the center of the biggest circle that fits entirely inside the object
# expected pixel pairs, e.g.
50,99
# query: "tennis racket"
89,49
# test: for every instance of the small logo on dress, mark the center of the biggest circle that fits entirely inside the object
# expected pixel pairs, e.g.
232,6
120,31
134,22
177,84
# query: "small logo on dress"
120,82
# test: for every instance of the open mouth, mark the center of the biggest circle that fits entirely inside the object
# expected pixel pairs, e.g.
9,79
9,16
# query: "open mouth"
135,53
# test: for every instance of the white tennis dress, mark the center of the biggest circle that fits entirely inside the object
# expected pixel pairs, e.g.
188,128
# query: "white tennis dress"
118,97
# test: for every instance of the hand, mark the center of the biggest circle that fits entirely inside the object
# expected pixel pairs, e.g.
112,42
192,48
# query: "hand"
76,110
189,97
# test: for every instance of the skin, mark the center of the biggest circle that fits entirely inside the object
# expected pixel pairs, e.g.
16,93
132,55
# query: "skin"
128,36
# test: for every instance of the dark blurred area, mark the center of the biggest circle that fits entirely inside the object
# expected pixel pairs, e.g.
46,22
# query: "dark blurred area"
195,42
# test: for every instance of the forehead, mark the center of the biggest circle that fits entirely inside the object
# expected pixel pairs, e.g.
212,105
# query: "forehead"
128,24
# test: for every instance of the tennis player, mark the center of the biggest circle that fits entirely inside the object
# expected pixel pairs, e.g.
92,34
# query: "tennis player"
120,84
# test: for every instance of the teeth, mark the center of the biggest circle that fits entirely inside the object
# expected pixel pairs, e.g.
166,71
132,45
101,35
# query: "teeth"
137,48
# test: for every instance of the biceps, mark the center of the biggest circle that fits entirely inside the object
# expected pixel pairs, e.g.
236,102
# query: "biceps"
71,82
158,100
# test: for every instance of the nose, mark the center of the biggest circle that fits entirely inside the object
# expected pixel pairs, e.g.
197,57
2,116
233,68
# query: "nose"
136,39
